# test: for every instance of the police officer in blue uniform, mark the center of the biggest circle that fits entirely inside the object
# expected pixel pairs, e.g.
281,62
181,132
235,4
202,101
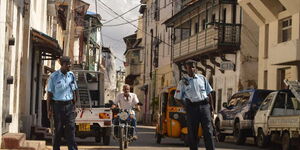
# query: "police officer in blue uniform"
61,104
194,91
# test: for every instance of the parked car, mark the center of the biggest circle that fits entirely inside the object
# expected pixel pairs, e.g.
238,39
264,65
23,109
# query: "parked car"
278,120
237,116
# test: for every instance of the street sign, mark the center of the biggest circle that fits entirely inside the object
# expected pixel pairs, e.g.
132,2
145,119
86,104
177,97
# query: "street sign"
227,65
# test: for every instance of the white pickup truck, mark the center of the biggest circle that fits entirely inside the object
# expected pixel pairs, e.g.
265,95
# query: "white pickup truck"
278,118
93,118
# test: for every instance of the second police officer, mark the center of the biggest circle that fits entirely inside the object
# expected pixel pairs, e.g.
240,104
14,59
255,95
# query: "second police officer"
194,92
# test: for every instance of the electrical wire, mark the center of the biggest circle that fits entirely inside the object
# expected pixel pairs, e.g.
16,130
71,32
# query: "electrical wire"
131,23
122,14
113,25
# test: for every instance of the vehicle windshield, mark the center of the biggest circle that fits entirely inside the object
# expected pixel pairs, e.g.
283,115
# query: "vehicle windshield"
259,97
239,99
172,101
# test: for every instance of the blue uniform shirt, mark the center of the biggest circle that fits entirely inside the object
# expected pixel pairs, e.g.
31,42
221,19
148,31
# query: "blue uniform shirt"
194,88
62,86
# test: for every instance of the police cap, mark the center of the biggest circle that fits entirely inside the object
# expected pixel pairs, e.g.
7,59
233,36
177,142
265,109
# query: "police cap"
190,62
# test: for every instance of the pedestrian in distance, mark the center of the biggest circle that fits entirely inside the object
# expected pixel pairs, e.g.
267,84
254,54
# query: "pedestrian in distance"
194,92
61,104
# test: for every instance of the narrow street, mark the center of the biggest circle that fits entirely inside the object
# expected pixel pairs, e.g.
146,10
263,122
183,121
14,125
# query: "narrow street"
147,141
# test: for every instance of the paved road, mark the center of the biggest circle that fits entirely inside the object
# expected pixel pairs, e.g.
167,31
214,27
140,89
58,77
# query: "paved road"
146,141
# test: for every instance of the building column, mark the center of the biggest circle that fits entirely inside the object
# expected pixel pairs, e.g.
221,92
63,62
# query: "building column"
2,57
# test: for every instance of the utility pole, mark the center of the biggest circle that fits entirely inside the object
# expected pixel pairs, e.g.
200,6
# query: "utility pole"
68,34
88,44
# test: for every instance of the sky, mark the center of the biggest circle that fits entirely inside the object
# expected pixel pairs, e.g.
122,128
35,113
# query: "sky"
113,35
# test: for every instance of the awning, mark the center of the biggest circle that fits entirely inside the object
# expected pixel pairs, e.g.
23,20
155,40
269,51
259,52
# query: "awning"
48,46
182,13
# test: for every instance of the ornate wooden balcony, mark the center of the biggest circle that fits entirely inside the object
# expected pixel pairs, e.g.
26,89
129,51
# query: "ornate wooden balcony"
218,37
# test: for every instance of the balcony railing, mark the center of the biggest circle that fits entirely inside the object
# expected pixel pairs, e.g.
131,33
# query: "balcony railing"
216,37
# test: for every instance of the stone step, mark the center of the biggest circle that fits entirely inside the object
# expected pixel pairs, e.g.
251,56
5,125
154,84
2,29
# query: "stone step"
13,140
38,145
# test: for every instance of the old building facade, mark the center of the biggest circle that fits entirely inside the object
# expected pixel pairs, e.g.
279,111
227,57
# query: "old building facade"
210,32
278,23
35,34
157,49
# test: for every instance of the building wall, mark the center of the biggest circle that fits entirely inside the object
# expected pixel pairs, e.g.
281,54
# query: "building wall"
3,62
271,51
15,72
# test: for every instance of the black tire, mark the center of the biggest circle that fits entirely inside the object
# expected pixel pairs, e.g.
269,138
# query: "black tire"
262,140
121,142
285,141
221,137
158,138
239,137
106,139
186,140
98,139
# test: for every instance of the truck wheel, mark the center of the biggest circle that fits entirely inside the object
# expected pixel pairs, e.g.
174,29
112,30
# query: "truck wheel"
158,138
261,139
185,139
106,139
221,137
239,137
98,139
285,141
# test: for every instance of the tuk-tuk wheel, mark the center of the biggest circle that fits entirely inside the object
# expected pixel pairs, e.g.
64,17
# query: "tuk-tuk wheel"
158,138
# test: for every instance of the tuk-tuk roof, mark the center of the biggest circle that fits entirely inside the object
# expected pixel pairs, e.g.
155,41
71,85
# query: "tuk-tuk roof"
166,89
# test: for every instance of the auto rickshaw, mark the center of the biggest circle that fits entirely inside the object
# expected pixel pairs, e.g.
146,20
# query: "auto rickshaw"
172,120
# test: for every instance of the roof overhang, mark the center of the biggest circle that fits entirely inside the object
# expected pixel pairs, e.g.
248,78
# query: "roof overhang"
170,22
48,46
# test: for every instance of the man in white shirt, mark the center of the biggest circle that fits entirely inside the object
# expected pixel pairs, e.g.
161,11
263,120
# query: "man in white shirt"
128,100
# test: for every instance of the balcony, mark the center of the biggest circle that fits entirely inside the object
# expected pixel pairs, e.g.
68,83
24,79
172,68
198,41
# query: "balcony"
218,37
133,69
286,53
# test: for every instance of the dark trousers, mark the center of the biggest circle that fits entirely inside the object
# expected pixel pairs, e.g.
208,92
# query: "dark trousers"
196,114
64,120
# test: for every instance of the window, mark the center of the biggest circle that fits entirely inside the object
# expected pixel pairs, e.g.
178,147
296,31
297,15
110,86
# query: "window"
196,27
224,15
285,29
219,100
280,101
281,76
266,103
266,41
213,18
265,79
239,99
186,30
229,93
203,24
177,37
